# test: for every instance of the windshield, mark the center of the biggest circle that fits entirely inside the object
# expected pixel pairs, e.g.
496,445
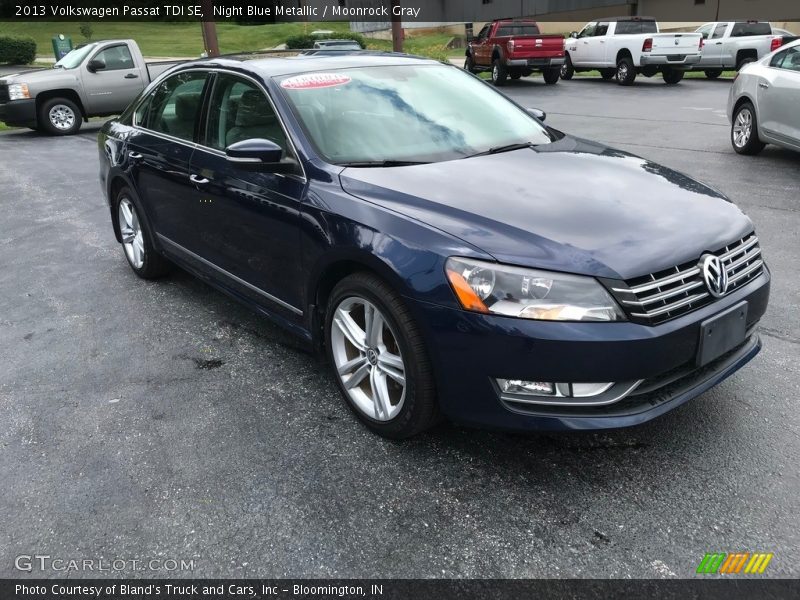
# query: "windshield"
408,113
74,57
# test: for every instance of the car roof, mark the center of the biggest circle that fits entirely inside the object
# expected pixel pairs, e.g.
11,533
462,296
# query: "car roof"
288,64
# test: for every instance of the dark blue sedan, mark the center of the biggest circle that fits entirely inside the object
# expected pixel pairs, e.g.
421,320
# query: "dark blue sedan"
452,255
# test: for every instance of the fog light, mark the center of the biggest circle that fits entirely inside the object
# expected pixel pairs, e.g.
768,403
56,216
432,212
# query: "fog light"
583,390
532,388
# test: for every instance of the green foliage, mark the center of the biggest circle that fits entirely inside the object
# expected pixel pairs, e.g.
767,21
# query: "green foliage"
17,50
296,42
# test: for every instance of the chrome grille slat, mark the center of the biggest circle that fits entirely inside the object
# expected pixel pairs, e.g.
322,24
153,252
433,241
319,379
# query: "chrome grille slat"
670,293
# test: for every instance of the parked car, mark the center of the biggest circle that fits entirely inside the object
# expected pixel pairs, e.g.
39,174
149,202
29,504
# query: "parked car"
762,102
515,48
94,80
623,47
733,44
413,221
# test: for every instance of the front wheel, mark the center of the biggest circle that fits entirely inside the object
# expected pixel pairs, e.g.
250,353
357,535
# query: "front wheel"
379,358
551,76
672,76
137,241
567,70
499,73
59,116
626,72
744,131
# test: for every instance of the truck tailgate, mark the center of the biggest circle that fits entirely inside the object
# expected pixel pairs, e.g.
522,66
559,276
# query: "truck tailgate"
536,46
675,43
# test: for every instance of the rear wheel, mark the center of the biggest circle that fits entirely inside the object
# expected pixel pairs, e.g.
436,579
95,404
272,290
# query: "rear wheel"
672,76
713,73
551,76
607,74
379,358
59,116
499,73
567,70
626,72
137,241
744,131
744,61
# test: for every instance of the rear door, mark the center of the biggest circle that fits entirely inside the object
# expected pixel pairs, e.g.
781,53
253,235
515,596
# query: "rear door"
111,89
778,94
159,152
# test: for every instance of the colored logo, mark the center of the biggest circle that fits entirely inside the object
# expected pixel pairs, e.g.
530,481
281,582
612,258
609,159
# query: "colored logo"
735,563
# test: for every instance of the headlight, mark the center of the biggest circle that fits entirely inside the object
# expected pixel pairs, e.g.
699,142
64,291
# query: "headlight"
528,293
18,91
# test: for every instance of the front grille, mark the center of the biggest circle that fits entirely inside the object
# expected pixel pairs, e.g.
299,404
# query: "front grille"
667,294
3,93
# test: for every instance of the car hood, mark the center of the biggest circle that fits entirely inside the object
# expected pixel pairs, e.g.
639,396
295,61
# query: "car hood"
33,76
572,205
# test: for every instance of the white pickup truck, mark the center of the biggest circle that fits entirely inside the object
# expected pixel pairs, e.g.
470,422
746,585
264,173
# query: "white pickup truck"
95,80
627,46
733,44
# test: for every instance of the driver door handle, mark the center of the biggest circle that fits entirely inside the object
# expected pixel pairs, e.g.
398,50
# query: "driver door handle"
197,179
131,76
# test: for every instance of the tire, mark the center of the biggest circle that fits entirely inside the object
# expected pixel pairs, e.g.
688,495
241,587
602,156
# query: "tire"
672,76
626,72
469,64
59,116
400,411
140,253
607,74
713,73
744,130
551,76
744,61
515,75
567,70
499,73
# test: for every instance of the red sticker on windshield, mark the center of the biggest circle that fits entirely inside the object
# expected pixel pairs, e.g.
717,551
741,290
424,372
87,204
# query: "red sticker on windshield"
314,81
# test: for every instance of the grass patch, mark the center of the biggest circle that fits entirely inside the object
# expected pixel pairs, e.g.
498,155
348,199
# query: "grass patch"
4,127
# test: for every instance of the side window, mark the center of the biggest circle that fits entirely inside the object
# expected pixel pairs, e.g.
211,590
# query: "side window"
719,31
588,31
602,29
175,105
484,33
788,59
705,30
115,58
240,111
140,114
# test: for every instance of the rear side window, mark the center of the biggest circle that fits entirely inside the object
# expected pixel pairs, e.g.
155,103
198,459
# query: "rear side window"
175,105
628,27
788,59
512,30
745,29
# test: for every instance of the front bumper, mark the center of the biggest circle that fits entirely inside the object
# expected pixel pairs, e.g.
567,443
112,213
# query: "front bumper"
469,350
19,112
670,60
535,63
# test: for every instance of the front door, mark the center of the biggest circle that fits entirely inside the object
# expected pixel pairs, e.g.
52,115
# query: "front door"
109,90
581,52
248,220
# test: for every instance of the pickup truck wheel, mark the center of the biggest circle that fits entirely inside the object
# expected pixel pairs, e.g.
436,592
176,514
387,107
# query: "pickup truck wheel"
744,61
567,70
469,64
713,73
672,76
499,73
626,72
551,76
607,74
515,74
744,131
59,116
137,241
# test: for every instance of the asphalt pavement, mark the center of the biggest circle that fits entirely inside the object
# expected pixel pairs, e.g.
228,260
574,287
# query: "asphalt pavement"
162,420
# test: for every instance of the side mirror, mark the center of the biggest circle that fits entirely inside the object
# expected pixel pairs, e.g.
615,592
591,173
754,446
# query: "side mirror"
573,34
538,113
260,155
96,65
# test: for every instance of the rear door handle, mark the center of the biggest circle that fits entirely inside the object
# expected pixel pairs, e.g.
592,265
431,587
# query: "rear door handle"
763,85
131,76
197,179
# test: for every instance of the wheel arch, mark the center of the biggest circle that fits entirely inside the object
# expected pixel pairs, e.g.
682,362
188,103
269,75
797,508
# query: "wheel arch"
744,53
623,53
66,93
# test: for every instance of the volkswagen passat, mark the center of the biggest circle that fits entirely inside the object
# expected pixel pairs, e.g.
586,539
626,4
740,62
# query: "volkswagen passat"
416,224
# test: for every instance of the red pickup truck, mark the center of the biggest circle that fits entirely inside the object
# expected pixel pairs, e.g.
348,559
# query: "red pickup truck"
515,48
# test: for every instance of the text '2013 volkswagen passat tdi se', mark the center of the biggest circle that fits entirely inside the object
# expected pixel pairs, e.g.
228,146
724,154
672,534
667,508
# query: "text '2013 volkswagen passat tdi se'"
452,255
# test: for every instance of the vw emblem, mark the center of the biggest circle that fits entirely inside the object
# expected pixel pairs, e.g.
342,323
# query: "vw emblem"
715,275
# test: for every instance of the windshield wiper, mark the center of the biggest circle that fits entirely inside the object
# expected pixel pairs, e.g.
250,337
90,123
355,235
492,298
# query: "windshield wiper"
506,148
382,163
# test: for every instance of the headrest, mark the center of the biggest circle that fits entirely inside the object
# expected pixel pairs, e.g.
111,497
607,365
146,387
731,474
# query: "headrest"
253,110
795,59
186,106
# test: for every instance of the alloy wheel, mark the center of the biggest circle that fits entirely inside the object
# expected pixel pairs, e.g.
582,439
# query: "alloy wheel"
62,117
742,128
367,359
131,230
